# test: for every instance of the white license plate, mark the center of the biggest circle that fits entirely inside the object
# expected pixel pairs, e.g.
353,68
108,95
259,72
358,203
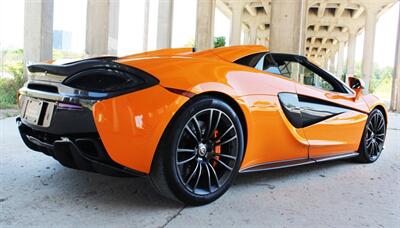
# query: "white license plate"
32,110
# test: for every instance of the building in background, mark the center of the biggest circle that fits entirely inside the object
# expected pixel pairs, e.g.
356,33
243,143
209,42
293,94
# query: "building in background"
62,40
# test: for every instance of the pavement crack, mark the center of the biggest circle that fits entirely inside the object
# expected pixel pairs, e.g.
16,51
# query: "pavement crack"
173,217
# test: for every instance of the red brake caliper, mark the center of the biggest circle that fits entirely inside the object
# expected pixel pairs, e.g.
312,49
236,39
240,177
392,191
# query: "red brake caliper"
217,149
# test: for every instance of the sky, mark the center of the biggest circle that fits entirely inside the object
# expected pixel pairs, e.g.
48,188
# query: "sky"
131,19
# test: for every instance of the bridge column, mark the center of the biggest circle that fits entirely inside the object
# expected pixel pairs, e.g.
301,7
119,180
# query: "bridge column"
253,33
38,31
332,63
287,28
369,44
351,51
205,24
395,98
146,24
340,60
236,22
102,27
164,26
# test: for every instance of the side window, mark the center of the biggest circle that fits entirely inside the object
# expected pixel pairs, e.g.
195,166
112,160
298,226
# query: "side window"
269,65
293,67
313,79
297,72
260,61
289,69
251,60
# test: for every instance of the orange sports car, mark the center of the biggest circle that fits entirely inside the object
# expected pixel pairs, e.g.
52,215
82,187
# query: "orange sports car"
190,121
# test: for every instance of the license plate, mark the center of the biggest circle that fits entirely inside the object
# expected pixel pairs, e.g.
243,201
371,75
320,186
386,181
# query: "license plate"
33,110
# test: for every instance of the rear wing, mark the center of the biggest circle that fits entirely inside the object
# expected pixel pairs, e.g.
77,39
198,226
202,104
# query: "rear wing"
71,68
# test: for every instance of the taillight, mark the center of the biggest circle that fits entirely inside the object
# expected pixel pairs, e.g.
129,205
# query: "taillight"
110,80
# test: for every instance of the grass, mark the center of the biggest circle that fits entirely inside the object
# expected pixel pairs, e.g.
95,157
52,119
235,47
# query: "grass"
8,106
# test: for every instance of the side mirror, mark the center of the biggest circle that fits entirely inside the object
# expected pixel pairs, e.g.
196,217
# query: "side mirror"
357,84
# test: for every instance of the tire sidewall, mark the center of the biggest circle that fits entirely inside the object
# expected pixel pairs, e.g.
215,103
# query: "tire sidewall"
363,156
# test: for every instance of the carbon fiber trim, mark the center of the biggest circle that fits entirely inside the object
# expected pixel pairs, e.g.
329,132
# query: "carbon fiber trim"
303,111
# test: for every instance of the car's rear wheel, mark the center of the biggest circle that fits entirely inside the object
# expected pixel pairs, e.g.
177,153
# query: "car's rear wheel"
200,152
373,137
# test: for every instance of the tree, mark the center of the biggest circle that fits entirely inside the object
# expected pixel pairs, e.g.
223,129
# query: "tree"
219,41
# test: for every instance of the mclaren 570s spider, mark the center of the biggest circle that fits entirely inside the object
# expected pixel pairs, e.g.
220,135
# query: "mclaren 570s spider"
191,121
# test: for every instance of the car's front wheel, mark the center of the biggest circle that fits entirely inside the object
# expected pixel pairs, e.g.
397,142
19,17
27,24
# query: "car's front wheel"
373,137
200,152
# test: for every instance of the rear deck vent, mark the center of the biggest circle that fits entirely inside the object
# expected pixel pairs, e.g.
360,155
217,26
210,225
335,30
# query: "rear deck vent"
41,87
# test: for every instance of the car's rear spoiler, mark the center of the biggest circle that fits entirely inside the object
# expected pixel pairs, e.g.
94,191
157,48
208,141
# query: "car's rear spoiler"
72,68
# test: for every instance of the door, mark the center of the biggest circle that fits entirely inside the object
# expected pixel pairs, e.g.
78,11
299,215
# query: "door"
271,138
332,119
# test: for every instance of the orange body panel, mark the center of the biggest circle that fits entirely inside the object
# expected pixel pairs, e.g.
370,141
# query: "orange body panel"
230,54
131,125
373,101
161,52
339,134
270,135
194,75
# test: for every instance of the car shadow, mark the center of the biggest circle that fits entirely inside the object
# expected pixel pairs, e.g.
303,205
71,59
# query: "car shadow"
128,191
108,191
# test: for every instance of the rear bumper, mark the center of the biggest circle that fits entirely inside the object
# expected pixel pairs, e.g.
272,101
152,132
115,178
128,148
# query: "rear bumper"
128,127
78,151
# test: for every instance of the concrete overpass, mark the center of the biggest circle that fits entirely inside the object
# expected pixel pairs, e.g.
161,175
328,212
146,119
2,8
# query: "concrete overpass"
318,29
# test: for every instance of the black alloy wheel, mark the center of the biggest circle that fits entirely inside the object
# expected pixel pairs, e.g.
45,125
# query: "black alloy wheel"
373,138
200,153
207,151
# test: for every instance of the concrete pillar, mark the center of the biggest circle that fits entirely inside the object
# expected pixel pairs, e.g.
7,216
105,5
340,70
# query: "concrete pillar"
253,33
325,64
146,24
332,64
236,22
351,51
395,97
164,26
287,28
246,36
205,24
340,60
38,31
102,21
369,44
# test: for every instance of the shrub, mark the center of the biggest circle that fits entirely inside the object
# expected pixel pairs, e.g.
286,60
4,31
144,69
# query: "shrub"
219,41
10,86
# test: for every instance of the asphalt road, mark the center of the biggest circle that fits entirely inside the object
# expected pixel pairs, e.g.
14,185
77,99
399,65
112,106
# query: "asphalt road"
37,190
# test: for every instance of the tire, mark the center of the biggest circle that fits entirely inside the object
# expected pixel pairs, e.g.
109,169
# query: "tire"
373,138
203,169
